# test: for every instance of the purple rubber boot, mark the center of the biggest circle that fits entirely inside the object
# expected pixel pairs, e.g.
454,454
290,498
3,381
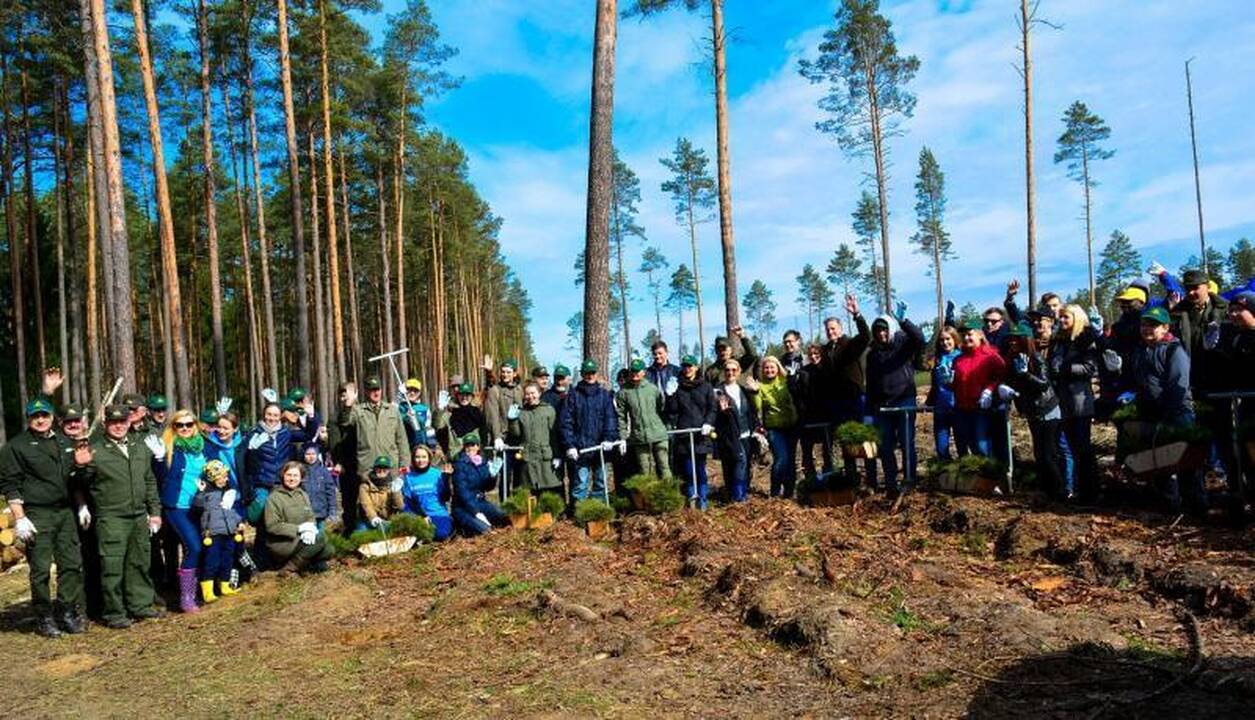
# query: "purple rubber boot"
187,590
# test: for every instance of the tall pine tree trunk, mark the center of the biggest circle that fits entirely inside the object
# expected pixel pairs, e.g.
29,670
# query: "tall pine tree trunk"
321,356
333,252
697,285
92,308
386,289
355,369
11,232
68,384
32,228
732,312
600,180
211,205
78,366
1089,226
269,331
294,183
398,200
1030,191
254,344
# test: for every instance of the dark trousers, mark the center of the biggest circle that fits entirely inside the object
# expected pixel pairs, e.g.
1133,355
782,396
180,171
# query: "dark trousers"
55,539
810,438
735,463
188,532
218,558
1046,436
124,549
897,429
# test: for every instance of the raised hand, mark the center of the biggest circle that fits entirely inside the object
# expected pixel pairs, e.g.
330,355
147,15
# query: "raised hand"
851,305
1013,287
52,380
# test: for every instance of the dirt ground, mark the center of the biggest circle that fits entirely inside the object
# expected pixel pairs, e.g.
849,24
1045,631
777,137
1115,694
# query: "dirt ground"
937,607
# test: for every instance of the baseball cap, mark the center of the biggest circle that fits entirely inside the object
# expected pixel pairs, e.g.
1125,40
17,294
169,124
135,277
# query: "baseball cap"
637,365
413,384
588,366
1156,315
688,360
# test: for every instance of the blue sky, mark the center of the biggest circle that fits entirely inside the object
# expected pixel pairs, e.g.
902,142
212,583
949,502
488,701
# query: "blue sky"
522,114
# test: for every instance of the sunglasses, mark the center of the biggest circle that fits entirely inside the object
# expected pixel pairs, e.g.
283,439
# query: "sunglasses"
731,370
185,424
992,321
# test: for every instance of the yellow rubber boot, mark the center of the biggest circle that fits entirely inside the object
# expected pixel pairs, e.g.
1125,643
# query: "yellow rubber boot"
225,589
207,591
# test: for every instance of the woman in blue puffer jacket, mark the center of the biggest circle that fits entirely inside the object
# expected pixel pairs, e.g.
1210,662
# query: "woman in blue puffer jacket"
267,447
178,475
941,393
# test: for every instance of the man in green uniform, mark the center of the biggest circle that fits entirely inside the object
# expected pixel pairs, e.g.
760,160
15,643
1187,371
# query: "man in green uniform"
377,427
123,490
640,406
35,469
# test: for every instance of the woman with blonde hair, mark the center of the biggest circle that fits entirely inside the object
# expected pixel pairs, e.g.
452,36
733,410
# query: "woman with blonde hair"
778,415
179,463
941,392
1072,364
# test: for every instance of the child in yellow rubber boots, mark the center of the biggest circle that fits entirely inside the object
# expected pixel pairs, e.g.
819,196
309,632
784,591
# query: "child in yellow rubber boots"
220,527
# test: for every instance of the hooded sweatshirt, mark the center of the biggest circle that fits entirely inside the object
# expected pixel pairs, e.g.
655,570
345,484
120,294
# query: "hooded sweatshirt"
890,366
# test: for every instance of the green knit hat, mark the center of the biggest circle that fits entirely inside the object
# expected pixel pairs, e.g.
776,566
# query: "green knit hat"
471,438
383,461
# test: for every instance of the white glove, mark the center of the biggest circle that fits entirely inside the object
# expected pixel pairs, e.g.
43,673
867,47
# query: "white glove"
228,499
307,527
494,465
480,517
512,413
84,517
707,429
1156,269
608,445
24,528
986,399
257,440
557,463
498,444
154,524
442,399
1006,392
400,396
573,454
223,405
622,447
309,536
1212,337
376,522
269,395
672,386
1112,360
1095,319
396,485
157,447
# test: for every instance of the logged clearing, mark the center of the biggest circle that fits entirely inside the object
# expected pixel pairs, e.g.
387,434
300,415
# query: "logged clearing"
940,607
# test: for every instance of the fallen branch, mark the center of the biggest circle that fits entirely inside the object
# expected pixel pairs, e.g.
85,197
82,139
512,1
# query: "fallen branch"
550,600
1196,656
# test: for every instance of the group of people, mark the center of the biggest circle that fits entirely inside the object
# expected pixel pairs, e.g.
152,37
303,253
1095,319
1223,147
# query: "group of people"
148,500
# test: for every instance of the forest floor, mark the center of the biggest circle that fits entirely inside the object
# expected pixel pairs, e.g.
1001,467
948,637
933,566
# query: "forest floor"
936,607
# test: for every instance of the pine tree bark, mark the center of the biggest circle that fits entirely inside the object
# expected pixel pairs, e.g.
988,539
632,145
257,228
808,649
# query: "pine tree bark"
11,232
596,343
92,305
697,284
32,228
386,289
1030,190
78,367
122,343
68,383
173,301
333,252
398,200
211,205
355,351
732,312
254,343
301,341
1089,226
321,372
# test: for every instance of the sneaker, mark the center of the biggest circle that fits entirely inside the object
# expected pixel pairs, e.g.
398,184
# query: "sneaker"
118,623
47,627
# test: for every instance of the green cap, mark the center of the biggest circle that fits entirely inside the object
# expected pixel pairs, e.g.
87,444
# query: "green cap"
466,389
113,413
1156,315
134,400
38,405
511,363
471,438
588,366
637,365
372,383
973,324
1021,329
561,370
721,342
70,411
297,393
210,416
383,461
540,371
688,360
287,404
158,402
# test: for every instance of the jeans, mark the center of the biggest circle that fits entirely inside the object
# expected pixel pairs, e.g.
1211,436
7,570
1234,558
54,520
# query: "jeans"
999,443
218,559
1046,439
1077,432
589,480
971,432
189,535
693,487
736,470
1066,461
897,429
783,444
943,428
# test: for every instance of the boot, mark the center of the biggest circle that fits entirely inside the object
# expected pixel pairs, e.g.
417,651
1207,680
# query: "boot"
147,613
225,589
119,623
47,627
207,591
187,590
73,622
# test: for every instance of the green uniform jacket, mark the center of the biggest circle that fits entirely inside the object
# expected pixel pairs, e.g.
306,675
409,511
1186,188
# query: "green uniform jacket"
536,430
379,432
37,470
747,358
285,510
497,403
121,485
640,411
774,404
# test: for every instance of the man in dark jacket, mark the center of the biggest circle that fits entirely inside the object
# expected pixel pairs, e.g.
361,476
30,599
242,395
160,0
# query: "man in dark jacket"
556,393
123,491
661,370
473,514
1196,322
1235,369
692,407
792,359
1161,371
725,348
35,471
891,384
588,419
845,366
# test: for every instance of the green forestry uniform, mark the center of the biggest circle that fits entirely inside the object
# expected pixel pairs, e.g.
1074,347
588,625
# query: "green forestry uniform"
36,471
640,408
497,406
536,430
286,510
123,492
378,430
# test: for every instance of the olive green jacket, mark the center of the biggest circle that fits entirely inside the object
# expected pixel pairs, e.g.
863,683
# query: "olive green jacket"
285,511
536,430
379,431
640,409
121,484
36,470
496,404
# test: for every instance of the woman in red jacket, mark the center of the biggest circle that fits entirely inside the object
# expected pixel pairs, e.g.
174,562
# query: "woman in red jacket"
977,371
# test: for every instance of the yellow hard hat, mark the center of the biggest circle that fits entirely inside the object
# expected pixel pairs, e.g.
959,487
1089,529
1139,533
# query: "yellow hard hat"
413,384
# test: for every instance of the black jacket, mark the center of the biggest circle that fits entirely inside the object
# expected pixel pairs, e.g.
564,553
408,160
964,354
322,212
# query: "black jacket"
1037,397
891,367
692,405
1073,365
845,363
734,422
1162,374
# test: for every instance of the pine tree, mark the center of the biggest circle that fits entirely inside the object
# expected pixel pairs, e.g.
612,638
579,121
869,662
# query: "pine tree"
1118,263
815,294
931,239
845,270
683,296
600,182
866,227
1241,262
625,194
1215,261
693,192
653,263
867,96
760,309
1080,146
